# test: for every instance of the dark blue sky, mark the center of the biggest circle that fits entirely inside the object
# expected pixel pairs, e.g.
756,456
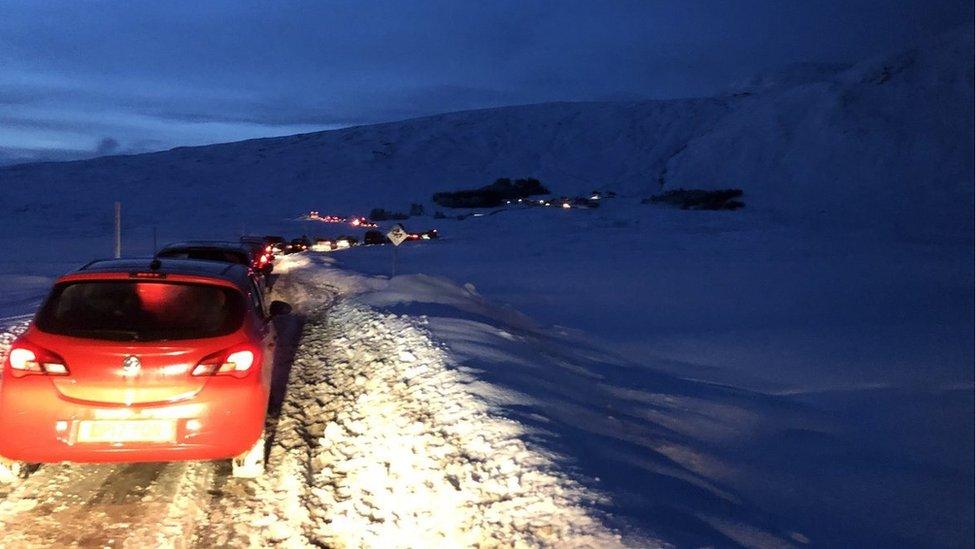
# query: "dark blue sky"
83,78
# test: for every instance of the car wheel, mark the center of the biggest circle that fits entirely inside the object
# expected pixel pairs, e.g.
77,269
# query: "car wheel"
11,472
250,464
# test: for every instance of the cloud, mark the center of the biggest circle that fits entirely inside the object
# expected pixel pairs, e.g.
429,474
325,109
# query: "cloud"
186,73
106,146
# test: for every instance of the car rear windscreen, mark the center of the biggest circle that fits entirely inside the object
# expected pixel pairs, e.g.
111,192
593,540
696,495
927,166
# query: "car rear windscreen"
141,311
207,254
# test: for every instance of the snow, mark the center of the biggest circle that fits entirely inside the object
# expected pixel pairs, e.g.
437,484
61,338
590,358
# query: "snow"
99,505
404,456
796,372
764,350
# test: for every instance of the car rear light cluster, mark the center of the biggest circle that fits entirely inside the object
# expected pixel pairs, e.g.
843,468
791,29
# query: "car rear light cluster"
235,363
25,360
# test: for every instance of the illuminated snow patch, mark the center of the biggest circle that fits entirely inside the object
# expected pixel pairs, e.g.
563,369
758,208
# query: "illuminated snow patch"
401,455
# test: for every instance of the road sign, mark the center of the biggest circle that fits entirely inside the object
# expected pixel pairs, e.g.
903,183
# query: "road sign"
397,234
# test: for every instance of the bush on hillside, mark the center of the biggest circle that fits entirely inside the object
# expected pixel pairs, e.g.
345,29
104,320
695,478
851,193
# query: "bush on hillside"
492,195
380,214
697,199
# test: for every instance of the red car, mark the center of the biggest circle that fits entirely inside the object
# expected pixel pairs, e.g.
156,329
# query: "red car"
258,256
142,361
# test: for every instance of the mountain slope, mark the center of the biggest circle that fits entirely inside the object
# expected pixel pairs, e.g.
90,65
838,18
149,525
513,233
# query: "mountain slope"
572,147
887,141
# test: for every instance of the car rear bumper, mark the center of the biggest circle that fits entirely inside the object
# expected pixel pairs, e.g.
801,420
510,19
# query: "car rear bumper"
37,425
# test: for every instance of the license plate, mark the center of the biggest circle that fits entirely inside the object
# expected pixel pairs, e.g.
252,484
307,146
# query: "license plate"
140,430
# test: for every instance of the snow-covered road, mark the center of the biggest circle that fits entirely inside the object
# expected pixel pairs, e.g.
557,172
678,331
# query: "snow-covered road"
376,442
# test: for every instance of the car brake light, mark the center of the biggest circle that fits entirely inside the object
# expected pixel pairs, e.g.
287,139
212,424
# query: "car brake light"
236,363
25,361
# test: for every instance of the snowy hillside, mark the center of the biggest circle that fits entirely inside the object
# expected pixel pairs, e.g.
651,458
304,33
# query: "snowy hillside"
882,142
888,142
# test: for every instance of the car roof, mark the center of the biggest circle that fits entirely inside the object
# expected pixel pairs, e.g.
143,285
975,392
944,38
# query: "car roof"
215,244
237,274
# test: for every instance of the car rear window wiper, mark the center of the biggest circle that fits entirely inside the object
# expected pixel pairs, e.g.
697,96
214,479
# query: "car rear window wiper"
115,335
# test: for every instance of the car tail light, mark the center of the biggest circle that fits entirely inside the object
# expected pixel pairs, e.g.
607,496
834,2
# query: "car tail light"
26,360
232,362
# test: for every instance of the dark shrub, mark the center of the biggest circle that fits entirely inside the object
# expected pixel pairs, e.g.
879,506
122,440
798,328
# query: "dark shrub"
379,214
374,237
492,195
697,199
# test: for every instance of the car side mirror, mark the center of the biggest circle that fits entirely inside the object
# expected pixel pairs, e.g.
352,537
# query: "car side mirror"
279,308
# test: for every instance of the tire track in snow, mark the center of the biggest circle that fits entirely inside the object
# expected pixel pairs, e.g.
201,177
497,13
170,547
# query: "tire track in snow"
180,504
122,505
270,510
126,505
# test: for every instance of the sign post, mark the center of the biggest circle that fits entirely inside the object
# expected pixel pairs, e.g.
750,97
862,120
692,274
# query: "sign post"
118,230
396,235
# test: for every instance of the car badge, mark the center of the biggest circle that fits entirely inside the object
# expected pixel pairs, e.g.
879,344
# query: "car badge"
131,365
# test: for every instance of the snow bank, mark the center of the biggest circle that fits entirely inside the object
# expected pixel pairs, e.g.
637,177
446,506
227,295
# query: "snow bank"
379,443
836,461
640,446
405,456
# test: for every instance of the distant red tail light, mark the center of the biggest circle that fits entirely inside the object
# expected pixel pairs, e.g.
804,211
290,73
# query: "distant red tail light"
27,359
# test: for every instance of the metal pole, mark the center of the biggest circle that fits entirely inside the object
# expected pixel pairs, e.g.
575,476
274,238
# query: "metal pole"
395,248
118,230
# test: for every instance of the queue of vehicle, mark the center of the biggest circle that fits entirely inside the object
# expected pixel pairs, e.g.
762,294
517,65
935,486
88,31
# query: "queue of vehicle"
167,358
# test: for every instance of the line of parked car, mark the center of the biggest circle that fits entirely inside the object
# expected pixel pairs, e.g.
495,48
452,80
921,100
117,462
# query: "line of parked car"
167,358
370,238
